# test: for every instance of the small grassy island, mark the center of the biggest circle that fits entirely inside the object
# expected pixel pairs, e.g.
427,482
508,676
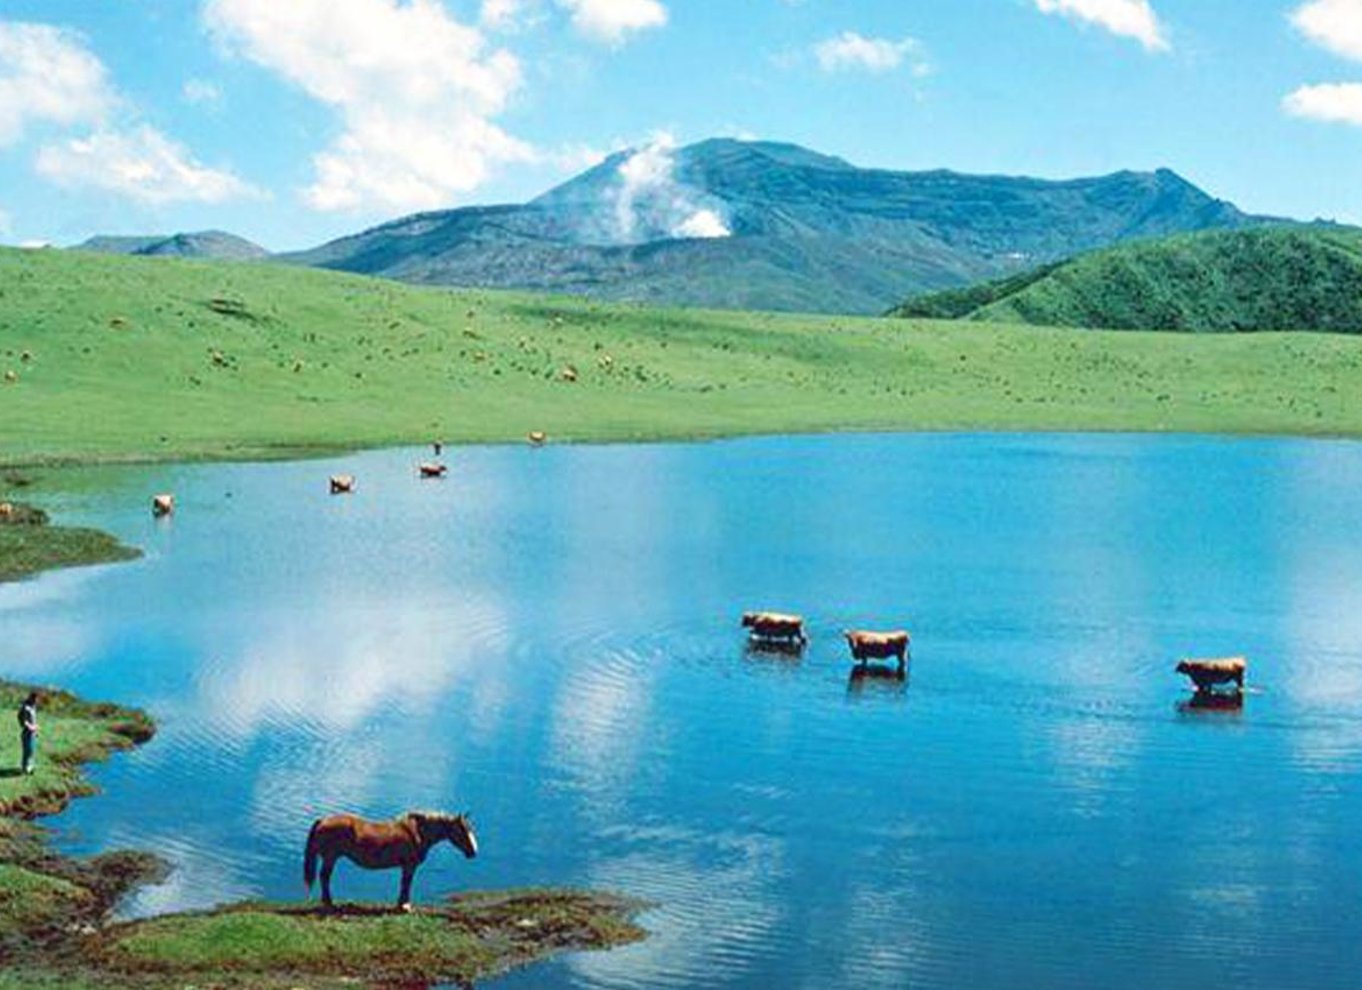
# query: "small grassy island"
29,543
54,910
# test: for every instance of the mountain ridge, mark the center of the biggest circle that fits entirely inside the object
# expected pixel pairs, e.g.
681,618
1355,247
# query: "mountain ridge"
769,225
766,225
215,244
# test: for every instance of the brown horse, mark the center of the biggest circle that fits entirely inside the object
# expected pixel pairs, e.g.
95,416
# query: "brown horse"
401,843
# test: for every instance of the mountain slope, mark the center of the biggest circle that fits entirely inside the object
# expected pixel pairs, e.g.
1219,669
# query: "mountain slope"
772,226
1271,278
214,244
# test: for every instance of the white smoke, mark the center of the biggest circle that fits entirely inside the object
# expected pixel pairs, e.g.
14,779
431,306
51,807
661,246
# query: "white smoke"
704,224
651,204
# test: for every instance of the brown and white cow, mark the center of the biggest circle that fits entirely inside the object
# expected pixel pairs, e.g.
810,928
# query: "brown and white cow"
342,484
162,505
430,469
867,646
1208,674
775,627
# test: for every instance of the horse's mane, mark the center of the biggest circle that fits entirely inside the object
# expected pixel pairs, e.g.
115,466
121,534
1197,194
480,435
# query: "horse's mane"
436,816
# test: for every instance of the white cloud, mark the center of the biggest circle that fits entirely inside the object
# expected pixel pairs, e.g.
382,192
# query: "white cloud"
142,164
611,21
201,91
851,51
1332,24
502,15
48,74
575,158
1335,103
1127,18
417,90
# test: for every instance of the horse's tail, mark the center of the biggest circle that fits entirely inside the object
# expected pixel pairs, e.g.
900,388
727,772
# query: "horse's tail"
310,856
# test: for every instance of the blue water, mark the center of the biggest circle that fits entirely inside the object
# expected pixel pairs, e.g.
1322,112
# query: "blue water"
549,639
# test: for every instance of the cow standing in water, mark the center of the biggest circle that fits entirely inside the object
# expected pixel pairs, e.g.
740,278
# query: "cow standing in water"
867,646
775,627
402,843
1210,674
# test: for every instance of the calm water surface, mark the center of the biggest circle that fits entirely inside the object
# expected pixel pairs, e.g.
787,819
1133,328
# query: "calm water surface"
548,637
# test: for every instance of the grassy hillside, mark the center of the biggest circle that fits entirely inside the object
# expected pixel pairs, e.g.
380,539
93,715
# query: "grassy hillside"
1264,279
117,357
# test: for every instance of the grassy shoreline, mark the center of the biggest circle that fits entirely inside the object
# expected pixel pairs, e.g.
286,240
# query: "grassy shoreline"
55,910
126,359
30,544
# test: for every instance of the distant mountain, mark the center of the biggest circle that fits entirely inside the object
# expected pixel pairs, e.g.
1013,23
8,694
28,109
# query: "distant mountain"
204,244
1267,278
760,225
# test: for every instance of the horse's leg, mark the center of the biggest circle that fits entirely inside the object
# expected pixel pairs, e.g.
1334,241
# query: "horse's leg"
328,867
404,897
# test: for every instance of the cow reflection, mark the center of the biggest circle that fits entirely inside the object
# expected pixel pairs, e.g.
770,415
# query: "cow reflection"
1211,702
875,679
776,649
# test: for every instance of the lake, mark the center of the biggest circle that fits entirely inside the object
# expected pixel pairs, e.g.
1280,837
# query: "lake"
549,638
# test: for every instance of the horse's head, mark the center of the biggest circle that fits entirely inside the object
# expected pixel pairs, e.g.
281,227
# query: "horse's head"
436,827
461,834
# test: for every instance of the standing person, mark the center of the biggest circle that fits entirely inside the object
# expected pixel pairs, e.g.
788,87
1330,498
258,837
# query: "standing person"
28,730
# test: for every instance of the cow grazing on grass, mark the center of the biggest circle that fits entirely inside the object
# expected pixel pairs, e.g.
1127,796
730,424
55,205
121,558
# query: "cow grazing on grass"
342,484
1209,674
867,646
6,511
162,505
432,470
775,627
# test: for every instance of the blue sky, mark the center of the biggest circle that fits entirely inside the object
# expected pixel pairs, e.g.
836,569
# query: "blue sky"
293,121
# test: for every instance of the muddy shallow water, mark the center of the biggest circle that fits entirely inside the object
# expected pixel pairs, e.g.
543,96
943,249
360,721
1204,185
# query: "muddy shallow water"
549,639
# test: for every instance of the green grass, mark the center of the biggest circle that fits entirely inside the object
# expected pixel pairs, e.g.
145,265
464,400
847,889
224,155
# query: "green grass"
120,358
32,902
45,897
28,545
471,939
1274,278
72,733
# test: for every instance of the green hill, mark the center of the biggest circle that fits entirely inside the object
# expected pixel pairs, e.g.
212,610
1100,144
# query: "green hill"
1271,278
106,357
805,232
